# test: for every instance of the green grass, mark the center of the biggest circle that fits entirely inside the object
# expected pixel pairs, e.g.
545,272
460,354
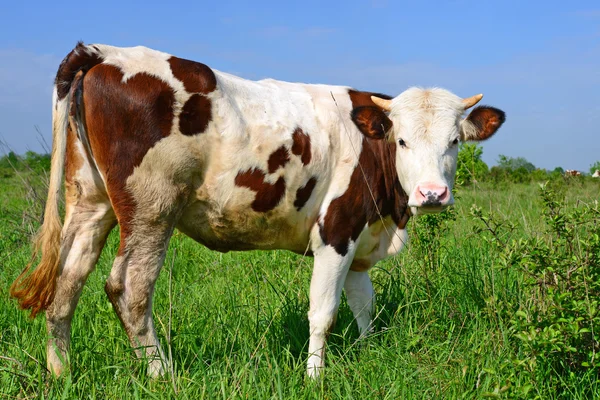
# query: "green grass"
239,328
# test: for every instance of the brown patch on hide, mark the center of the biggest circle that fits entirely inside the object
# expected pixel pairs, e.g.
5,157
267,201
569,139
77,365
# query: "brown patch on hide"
195,115
371,121
199,79
124,120
73,158
301,146
268,195
486,120
304,193
347,215
360,265
196,77
368,117
278,159
363,99
403,220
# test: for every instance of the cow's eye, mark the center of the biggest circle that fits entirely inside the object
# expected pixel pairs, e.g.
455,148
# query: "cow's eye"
455,142
402,143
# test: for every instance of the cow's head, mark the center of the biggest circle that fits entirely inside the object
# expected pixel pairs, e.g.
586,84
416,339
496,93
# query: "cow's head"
427,126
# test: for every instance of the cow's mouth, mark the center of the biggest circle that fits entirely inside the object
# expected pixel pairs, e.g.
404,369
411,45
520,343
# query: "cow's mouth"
429,209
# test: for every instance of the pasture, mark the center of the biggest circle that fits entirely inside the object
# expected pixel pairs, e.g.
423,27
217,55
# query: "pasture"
451,314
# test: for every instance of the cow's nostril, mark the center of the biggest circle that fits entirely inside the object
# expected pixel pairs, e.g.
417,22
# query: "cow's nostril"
443,195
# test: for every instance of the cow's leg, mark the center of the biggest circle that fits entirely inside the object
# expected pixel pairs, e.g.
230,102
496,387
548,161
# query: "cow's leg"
329,274
84,234
361,299
130,287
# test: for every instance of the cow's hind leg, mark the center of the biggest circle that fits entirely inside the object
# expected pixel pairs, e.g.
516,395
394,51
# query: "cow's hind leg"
89,218
84,235
130,286
87,224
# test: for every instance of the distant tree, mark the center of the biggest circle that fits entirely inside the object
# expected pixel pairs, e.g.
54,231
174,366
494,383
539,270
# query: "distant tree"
30,161
498,174
540,175
513,164
37,162
557,172
470,167
9,160
595,166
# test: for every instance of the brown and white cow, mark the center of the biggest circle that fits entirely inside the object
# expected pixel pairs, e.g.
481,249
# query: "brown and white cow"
572,172
596,174
154,142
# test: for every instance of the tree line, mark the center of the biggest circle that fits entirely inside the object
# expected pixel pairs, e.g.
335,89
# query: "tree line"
470,167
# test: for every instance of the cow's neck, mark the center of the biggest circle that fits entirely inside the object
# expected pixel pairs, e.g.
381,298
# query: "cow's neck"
378,161
379,182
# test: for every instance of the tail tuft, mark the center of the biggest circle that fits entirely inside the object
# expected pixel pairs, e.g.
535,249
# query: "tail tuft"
36,290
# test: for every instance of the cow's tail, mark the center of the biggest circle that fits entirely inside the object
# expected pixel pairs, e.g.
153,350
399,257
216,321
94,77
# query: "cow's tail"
35,289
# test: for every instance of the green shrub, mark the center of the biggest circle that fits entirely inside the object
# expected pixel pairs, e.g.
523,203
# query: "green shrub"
470,168
30,161
555,325
37,162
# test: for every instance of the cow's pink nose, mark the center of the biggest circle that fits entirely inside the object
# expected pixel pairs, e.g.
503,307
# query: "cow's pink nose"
432,195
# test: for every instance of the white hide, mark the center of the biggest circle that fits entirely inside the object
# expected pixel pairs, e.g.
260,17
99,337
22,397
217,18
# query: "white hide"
427,120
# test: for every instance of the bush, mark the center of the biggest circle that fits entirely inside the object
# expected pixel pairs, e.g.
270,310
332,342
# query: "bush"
470,168
555,326
30,161
37,162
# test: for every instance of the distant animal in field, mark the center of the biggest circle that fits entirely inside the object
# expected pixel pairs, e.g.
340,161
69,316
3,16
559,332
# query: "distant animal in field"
153,143
572,172
596,174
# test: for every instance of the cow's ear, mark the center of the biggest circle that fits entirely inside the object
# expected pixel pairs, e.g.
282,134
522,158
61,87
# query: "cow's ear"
371,121
481,123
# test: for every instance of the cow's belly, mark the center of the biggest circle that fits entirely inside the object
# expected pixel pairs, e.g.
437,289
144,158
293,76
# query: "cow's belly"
240,228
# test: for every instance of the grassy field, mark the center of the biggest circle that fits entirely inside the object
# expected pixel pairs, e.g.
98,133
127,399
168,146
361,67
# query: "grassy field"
235,324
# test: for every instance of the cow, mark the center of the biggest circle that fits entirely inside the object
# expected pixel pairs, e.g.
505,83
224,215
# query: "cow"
596,174
572,172
153,143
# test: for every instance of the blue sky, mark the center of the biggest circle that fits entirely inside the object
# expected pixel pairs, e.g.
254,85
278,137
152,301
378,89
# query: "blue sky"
537,60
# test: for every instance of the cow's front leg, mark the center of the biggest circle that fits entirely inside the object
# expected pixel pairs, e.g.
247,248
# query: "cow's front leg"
361,299
329,275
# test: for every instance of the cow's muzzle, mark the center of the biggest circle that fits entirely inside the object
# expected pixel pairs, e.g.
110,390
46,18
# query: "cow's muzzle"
432,197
